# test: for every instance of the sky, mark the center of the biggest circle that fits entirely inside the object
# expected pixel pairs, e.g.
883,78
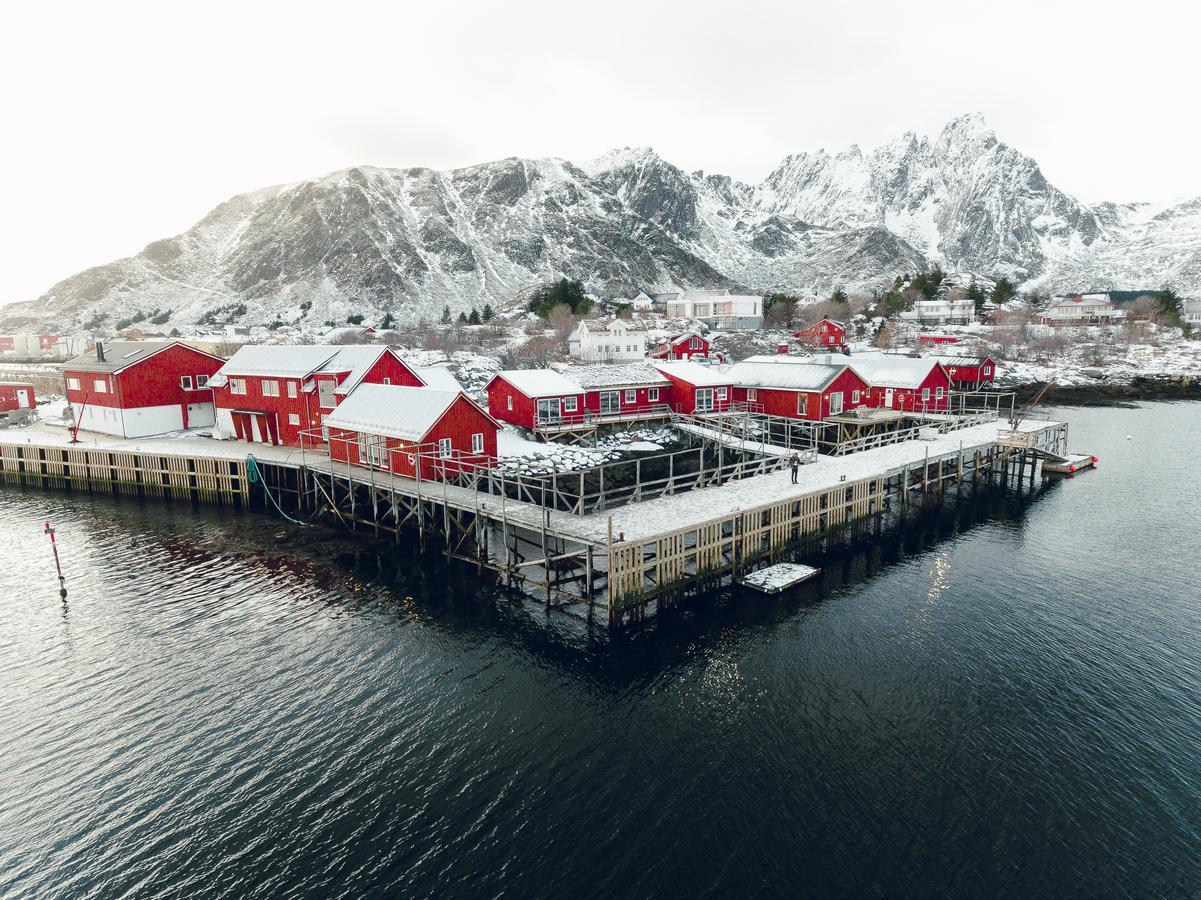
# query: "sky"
126,122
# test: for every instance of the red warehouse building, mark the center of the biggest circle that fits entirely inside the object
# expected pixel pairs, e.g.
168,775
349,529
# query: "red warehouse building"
936,340
905,383
798,388
533,398
137,388
621,392
696,388
688,345
270,394
16,395
970,373
404,429
828,334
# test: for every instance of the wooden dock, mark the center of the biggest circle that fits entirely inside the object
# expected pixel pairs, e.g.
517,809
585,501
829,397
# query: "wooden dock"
696,529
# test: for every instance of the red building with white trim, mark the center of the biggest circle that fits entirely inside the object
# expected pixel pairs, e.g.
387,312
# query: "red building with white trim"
696,388
620,392
138,388
798,388
405,429
905,383
828,334
271,394
970,373
16,395
688,345
531,398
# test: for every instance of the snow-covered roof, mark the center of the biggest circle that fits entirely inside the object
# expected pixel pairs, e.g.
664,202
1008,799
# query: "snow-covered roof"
788,374
887,370
120,355
356,359
391,410
963,360
589,377
284,360
676,340
438,377
539,382
693,373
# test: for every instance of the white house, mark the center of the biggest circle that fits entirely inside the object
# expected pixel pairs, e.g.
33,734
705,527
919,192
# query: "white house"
612,340
942,310
718,309
1081,309
1190,313
642,302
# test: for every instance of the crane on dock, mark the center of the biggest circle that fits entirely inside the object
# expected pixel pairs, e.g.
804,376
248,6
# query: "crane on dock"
1024,413
79,419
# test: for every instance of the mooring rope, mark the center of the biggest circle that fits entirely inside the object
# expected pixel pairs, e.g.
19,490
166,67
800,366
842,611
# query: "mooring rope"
254,475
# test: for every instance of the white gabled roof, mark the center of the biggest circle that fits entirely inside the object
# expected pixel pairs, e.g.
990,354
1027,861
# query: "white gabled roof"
589,377
285,361
693,373
887,370
439,377
540,382
787,374
355,359
391,410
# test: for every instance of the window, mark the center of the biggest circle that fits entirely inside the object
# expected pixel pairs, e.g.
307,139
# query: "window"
695,343
293,419
325,393
477,442
986,370
854,396
925,393
631,397
653,395
802,404
100,386
570,404
387,381
721,393
292,389
752,394
185,382
444,448
704,399
509,400
72,384
938,393
237,385
202,381
270,387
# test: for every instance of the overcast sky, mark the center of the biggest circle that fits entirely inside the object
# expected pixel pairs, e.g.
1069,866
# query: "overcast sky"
123,123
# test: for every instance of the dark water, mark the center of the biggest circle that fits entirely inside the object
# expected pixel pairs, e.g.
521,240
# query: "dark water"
1007,701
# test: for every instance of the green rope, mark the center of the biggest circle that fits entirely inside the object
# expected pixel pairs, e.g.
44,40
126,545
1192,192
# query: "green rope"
254,475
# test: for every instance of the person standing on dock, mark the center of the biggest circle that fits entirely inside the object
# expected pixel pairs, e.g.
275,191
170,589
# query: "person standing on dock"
794,462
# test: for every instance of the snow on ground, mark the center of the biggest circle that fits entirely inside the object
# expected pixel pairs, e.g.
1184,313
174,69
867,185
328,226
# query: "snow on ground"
520,455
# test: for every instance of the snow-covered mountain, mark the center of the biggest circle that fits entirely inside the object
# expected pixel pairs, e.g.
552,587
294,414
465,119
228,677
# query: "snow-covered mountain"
409,241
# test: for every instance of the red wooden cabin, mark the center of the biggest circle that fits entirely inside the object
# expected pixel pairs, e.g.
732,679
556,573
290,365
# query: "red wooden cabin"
16,395
798,388
970,373
688,345
936,340
696,388
271,394
620,392
138,388
405,429
905,383
828,334
532,398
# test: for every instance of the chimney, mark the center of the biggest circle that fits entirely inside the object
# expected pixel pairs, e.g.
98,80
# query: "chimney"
99,351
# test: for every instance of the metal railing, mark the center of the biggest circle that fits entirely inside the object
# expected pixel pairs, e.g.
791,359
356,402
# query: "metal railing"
589,418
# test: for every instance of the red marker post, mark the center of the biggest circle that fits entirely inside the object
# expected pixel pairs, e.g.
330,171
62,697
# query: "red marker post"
62,581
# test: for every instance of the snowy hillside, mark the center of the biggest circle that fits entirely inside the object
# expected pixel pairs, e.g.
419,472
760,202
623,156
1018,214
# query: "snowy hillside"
409,241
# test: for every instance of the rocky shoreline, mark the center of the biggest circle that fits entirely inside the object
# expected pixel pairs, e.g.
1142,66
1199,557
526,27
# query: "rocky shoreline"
1103,393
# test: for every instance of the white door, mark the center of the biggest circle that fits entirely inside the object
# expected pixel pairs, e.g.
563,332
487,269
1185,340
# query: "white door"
835,404
888,398
22,399
548,412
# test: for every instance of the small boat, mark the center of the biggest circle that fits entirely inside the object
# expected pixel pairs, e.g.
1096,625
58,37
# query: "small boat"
777,578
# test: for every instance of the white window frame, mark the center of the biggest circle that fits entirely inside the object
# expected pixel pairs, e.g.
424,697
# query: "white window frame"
938,393
269,387
99,386
986,369
630,397
237,386
387,380
752,394
841,403
509,399
292,393
652,395
72,384
802,404
477,443
855,396
185,382
202,381
445,448
570,404
293,419
925,394
325,391
722,393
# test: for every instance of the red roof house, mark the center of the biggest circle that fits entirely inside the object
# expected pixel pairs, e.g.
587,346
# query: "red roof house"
798,387
16,395
411,430
696,388
905,383
688,345
271,394
138,388
828,334
970,373
532,398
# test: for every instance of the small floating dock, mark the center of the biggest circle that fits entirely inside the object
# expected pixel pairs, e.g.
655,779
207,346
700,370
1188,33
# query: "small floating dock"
1070,464
778,578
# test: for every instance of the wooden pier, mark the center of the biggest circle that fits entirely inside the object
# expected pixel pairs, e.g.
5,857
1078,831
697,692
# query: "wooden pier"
613,555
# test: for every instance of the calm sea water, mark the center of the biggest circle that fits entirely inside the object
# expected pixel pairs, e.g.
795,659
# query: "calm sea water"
1003,701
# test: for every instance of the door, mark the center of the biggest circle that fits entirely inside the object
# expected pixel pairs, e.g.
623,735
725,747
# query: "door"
888,398
835,404
609,402
22,398
548,412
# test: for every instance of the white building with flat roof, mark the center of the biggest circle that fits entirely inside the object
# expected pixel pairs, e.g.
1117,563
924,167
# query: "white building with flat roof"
718,309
